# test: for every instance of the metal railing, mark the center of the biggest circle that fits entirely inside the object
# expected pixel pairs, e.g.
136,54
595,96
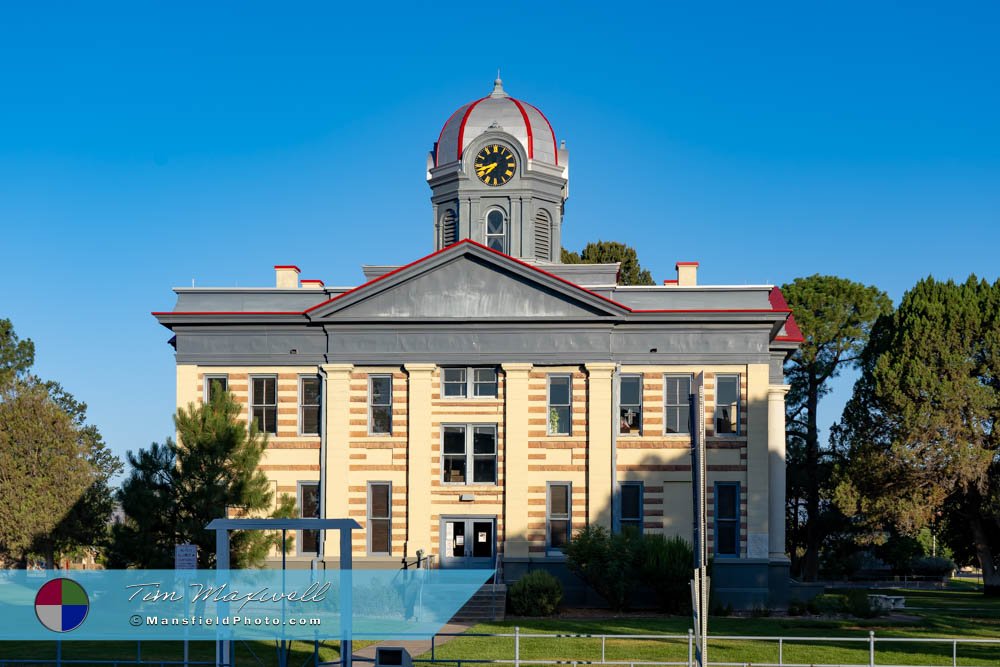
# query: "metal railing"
871,642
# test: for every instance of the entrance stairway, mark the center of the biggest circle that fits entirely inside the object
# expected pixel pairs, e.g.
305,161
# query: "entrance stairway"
488,604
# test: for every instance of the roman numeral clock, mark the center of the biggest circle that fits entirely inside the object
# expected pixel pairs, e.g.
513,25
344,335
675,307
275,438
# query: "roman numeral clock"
495,165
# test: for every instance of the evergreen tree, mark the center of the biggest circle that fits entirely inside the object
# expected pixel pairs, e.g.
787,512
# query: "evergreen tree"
211,471
835,316
608,252
921,430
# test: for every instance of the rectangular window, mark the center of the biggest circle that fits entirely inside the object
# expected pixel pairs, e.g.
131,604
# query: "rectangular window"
379,404
484,382
309,392
469,448
631,511
380,517
727,404
215,385
455,382
560,399
727,519
264,403
677,391
308,509
558,515
465,382
630,404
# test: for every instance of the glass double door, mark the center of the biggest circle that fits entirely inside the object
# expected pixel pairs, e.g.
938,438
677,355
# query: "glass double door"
468,542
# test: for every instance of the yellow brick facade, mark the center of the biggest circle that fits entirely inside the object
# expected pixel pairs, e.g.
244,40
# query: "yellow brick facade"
528,457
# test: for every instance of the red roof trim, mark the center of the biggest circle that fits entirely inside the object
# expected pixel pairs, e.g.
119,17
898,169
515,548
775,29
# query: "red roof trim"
707,310
555,148
288,266
313,280
527,126
686,264
670,282
157,313
794,334
461,128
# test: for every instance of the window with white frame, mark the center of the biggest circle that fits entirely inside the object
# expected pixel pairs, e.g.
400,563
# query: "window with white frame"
630,405
469,454
727,404
308,501
496,230
560,411
558,515
379,404
379,518
309,395
677,407
630,515
466,382
264,403
215,385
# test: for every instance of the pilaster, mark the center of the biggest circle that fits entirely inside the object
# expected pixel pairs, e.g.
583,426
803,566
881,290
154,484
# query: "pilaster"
418,459
600,422
336,467
516,460
776,467
757,461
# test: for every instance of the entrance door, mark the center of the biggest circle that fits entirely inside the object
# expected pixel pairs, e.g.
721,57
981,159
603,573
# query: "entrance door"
468,542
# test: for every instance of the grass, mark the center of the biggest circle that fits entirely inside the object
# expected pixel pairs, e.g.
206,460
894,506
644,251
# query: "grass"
959,611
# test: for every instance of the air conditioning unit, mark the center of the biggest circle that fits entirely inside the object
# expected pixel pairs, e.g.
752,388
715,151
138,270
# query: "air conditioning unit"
392,656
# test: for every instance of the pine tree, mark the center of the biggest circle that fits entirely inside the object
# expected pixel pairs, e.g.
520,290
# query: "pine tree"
921,431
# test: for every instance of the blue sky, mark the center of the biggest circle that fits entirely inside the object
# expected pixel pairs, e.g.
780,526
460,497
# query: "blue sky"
146,145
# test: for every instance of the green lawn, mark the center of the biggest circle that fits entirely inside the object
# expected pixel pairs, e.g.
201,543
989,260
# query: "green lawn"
958,612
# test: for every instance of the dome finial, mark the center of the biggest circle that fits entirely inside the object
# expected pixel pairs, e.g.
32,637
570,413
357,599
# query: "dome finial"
498,90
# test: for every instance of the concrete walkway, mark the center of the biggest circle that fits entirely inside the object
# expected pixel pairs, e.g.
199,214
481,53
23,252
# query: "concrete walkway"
414,647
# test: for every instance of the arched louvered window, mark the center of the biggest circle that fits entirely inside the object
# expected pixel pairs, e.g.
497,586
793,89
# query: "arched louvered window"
449,228
496,230
543,236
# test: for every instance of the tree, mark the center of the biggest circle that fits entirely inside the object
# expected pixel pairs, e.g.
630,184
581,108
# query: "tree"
43,473
921,431
835,316
16,356
607,252
46,433
210,470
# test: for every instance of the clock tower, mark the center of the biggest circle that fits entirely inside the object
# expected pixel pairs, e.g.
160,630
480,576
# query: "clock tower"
498,177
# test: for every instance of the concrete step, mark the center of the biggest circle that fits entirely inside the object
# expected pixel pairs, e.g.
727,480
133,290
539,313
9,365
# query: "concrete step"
488,604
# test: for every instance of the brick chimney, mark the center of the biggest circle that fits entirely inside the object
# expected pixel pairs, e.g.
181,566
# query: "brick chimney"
286,276
687,274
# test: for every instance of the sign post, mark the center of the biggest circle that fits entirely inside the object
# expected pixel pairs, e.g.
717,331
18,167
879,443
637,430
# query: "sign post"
700,583
185,563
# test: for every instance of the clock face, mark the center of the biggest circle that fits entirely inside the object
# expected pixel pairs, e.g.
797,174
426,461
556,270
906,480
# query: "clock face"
495,164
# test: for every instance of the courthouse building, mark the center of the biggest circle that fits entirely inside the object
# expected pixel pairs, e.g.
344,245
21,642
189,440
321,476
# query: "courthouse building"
483,402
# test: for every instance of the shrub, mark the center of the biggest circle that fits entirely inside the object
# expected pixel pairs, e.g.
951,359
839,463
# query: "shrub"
829,603
665,566
606,562
930,566
537,593
797,608
858,604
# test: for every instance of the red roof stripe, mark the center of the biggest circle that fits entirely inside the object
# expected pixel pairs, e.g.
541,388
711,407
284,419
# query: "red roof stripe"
461,128
686,264
527,126
288,266
555,148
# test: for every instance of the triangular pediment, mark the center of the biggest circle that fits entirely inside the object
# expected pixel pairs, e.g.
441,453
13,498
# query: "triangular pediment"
467,282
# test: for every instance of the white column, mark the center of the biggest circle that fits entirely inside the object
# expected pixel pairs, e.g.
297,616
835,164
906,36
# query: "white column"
776,469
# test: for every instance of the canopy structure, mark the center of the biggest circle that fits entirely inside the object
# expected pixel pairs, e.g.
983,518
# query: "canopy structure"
344,526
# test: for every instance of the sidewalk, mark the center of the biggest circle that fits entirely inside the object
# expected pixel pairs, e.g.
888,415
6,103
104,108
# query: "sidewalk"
416,647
